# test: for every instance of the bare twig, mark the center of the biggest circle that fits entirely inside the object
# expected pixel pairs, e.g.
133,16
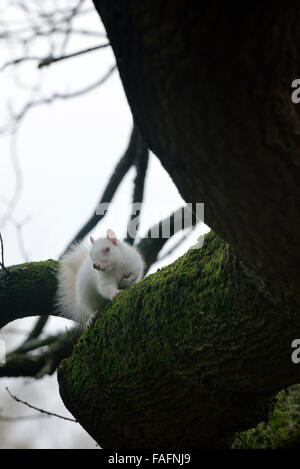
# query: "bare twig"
18,61
38,409
50,60
43,62
141,164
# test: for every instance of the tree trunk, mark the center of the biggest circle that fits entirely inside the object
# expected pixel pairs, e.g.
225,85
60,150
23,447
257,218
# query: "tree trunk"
210,89
185,358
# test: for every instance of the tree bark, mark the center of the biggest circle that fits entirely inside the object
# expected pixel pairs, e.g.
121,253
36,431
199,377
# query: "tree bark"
210,89
28,290
185,358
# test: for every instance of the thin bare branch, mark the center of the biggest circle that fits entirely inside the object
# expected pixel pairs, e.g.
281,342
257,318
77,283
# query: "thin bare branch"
17,399
18,61
50,60
44,361
141,164
43,62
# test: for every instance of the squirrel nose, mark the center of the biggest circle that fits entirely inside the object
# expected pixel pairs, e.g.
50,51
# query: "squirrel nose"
97,267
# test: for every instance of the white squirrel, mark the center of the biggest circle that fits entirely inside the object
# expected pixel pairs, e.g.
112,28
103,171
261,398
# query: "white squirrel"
86,276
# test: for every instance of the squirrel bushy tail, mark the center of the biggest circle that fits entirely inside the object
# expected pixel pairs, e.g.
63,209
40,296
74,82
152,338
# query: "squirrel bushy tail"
66,291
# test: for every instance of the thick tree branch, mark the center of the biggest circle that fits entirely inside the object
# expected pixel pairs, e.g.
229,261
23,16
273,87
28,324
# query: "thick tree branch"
50,60
204,329
184,358
27,291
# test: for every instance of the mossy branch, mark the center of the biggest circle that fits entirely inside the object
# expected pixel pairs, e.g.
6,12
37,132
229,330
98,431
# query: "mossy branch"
184,358
28,290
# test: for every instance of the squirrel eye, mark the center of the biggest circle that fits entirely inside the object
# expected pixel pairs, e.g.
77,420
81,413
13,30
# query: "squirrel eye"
127,275
107,249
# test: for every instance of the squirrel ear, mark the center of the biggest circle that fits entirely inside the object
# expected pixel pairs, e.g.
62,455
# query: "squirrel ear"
111,236
92,240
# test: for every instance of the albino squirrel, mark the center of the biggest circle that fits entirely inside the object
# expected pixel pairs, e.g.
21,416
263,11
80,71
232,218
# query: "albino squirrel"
85,276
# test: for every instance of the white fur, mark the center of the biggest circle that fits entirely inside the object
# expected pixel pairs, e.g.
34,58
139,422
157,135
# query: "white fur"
81,287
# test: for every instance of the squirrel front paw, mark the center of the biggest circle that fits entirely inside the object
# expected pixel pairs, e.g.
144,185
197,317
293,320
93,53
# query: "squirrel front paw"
90,321
116,293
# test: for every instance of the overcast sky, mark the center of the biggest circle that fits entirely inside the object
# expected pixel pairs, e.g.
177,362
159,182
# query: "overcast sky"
55,170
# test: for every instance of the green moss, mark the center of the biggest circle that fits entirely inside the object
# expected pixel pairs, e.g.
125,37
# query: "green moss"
281,431
28,290
153,356
149,325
